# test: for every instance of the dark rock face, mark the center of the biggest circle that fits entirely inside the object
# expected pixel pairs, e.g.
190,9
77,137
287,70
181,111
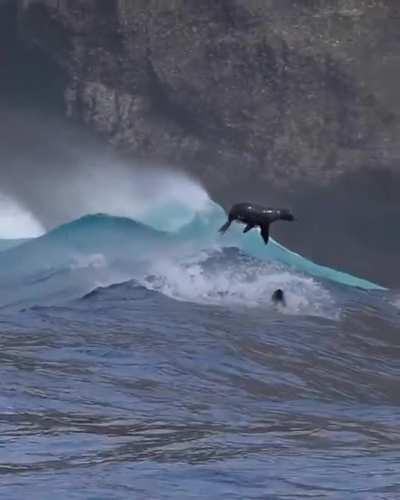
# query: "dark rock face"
290,95
281,88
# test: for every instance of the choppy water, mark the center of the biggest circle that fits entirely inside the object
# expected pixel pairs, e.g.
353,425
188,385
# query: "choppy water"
140,359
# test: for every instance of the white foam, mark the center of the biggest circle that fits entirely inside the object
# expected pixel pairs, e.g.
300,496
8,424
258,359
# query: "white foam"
162,198
16,221
92,261
97,271
240,285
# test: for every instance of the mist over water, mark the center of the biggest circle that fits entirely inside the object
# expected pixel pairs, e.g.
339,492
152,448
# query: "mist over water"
16,221
53,175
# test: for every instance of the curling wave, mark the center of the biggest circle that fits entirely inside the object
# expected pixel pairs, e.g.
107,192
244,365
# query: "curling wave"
172,247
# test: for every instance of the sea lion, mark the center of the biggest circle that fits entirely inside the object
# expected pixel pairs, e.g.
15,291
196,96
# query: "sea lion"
253,215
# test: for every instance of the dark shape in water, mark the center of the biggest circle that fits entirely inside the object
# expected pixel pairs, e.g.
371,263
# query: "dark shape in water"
256,215
278,297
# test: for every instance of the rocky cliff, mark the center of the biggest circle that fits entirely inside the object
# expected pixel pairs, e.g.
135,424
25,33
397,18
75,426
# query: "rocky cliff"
278,93
287,88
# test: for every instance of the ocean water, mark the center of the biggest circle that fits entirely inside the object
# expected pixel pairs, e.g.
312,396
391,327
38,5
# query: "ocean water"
141,358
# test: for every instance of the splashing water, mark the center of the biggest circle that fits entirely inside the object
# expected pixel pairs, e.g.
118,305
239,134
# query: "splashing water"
170,244
229,277
17,222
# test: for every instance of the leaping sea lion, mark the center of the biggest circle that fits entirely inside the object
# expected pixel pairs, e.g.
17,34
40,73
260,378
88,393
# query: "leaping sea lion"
256,215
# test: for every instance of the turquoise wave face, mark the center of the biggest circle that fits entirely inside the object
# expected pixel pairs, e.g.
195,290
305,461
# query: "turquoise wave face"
99,250
206,226
129,240
11,243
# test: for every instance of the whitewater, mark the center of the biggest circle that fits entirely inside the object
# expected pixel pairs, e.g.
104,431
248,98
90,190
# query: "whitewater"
142,357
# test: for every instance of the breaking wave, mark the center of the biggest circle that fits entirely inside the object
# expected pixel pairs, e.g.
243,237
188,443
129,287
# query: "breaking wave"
172,247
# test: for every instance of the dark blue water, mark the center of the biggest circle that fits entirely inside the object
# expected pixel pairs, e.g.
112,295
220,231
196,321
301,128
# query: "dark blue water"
142,364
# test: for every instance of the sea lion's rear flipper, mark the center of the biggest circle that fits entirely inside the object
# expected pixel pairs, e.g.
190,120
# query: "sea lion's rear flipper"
265,232
248,227
224,228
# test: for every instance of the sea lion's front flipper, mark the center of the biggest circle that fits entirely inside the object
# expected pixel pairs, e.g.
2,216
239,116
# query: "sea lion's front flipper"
248,227
265,233
224,228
